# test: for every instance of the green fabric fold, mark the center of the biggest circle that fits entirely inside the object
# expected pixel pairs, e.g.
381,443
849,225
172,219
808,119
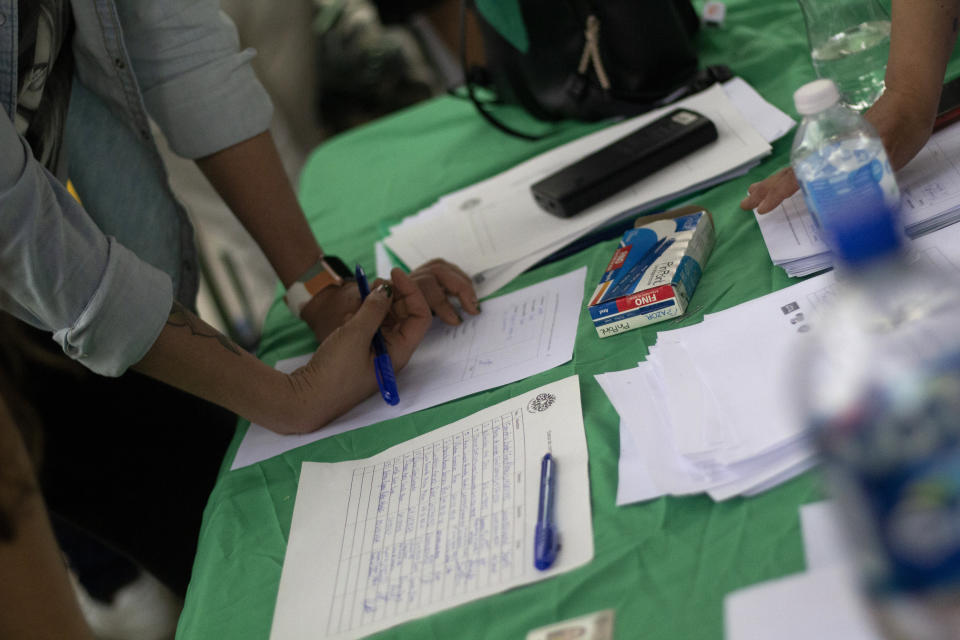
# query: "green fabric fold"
505,17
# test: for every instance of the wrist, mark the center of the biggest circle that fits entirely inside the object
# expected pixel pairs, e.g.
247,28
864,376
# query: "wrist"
329,272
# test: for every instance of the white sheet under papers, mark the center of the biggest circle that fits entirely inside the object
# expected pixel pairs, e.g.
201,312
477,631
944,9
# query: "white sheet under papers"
824,541
437,521
711,408
494,229
517,335
930,185
822,604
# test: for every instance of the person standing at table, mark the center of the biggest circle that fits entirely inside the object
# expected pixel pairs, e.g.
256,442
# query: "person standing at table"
114,279
922,35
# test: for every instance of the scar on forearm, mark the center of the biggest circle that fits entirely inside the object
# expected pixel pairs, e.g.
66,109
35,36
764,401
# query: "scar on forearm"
181,317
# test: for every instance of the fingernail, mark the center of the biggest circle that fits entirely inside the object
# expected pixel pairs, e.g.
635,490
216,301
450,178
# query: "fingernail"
387,289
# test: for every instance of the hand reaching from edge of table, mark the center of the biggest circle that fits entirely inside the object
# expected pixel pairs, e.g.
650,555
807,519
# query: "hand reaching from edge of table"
922,35
904,122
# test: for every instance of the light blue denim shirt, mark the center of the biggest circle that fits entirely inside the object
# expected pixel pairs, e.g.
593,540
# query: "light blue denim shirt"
102,277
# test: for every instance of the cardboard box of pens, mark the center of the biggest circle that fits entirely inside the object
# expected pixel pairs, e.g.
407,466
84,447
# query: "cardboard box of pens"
654,270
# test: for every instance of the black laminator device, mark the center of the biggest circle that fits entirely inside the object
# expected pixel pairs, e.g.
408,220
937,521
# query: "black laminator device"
623,162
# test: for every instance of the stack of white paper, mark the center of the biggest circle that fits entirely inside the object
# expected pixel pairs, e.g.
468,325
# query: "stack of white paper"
711,409
495,230
930,185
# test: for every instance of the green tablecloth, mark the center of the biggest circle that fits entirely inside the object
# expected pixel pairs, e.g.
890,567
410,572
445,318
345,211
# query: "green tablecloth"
664,565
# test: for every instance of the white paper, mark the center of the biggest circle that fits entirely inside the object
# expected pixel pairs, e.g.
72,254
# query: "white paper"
638,478
823,604
515,336
824,541
652,467
440,520
383,260
771,123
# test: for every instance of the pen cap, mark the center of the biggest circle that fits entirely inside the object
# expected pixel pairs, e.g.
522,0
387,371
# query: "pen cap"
545,506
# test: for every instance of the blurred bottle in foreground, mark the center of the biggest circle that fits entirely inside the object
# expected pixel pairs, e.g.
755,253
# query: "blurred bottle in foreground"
879,381
849,43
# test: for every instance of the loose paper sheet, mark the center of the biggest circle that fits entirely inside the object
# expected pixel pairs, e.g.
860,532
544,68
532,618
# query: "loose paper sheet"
825,542
434,522
516,336
824,604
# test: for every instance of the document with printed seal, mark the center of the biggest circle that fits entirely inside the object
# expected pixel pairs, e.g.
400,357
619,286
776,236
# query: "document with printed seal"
434,522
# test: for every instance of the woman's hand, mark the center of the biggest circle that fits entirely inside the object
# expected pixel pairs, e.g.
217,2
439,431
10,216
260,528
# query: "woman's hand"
438,281
340,374
904,121
766,195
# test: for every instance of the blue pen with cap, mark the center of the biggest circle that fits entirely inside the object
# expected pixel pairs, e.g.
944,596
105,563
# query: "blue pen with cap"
386,379
546,539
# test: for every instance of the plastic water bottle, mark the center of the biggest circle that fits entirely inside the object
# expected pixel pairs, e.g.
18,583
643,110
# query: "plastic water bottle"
849,44
879,380
841,165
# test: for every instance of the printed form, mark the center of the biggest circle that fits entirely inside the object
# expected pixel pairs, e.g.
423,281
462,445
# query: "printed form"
516,336
492,224
434,522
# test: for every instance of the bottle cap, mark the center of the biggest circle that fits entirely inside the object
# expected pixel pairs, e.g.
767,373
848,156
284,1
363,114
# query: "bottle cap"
815,96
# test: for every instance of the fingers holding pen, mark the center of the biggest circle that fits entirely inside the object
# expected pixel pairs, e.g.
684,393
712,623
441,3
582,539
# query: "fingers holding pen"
411,318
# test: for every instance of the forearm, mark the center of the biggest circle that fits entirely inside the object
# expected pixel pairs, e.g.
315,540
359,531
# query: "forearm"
250,178
921,40
194,357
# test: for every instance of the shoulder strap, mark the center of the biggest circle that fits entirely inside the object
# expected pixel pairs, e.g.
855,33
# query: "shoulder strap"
468,79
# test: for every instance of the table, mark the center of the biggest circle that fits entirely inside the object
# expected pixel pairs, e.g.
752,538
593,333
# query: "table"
665,565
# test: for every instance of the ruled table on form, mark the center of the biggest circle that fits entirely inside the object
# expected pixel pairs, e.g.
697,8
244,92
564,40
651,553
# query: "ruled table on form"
438,521
443,518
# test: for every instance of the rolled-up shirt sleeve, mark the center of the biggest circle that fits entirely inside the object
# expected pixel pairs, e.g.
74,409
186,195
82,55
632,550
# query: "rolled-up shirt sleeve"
196,83
58,272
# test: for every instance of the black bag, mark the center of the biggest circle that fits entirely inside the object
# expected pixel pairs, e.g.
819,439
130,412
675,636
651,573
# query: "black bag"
593,59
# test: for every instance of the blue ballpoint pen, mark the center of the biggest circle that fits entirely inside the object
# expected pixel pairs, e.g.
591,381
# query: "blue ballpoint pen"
386,379
546,540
